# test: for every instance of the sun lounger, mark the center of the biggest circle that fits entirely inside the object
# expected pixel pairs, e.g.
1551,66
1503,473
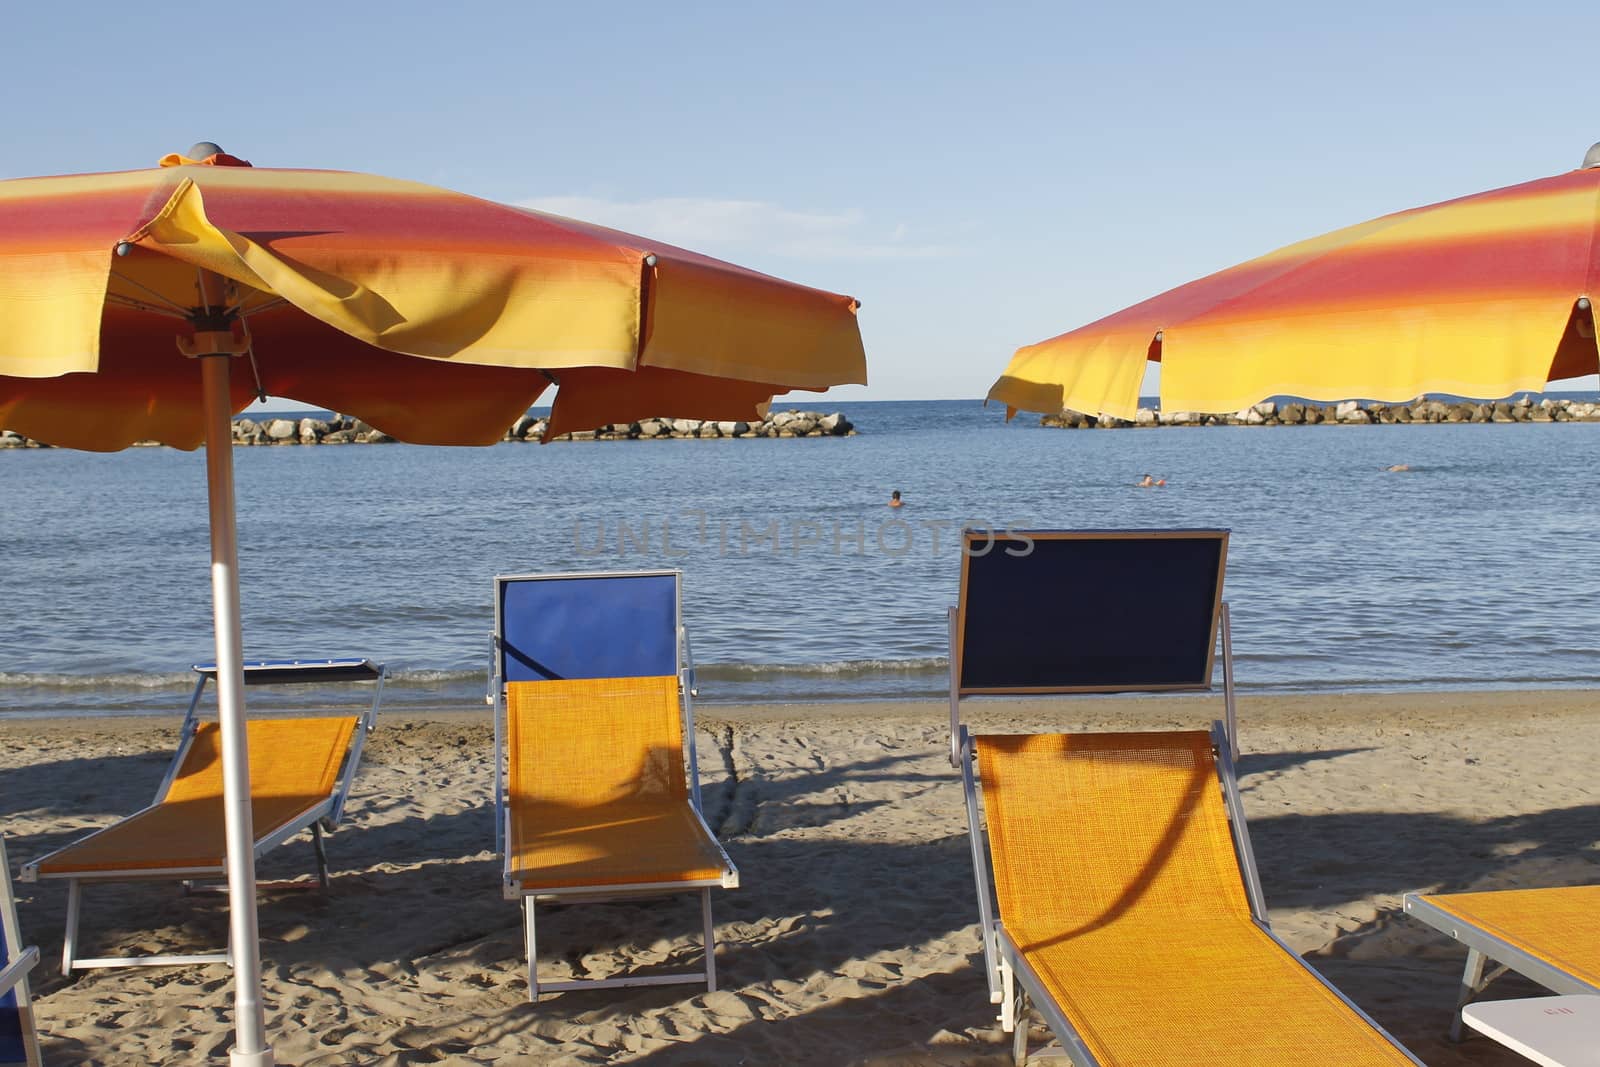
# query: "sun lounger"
1124,904
19,1046
301,770
597,790
1551,936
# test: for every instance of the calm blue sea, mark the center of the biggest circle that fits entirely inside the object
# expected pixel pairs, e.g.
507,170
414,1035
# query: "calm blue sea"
1475,569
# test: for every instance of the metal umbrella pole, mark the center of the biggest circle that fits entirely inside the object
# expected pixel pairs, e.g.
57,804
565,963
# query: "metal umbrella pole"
213,345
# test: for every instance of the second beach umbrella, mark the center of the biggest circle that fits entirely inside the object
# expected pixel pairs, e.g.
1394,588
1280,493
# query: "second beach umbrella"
435,317
1481,296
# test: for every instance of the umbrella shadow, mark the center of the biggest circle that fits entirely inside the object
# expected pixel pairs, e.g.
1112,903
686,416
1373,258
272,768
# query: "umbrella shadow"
886,1026
1256,763
878,954
83,785
1324,861
78,794
807,910
59,1049
374,869
749,800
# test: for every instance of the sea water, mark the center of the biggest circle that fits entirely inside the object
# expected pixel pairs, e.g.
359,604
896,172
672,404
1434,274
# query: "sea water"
1475,568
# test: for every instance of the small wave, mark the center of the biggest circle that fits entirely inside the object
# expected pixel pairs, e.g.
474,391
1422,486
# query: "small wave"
185,679
436,677
1437,683
117,680
833,668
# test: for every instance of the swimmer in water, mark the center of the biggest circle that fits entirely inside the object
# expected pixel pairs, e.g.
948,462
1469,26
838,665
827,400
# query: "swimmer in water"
895,501
1398,467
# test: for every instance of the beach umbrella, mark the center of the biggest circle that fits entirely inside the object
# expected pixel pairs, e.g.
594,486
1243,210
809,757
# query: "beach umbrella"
1481,296
155,304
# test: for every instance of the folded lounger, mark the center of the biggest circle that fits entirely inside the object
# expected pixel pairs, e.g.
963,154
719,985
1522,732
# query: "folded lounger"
1124,904
301,770
598,796
19,1046
1549,935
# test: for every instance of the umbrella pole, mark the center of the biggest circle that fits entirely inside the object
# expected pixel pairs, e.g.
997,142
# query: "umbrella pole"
250,1024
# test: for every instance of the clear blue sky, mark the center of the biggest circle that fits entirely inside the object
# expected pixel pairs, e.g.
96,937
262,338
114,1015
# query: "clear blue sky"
981,177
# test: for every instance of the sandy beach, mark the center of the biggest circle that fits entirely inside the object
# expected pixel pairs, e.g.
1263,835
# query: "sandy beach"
852,939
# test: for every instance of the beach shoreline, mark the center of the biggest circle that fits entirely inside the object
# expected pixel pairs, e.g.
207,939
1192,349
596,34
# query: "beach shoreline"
852,938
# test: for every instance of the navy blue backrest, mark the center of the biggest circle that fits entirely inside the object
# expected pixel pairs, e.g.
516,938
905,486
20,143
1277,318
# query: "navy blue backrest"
1089,610
301,671
12,1050
593,626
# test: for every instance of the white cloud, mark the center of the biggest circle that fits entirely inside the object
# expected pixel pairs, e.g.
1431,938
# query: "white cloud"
734,227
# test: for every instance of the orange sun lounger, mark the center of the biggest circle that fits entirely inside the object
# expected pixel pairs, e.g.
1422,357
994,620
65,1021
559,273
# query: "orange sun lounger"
1117,893
301,770
599,796
1550,935
1129,914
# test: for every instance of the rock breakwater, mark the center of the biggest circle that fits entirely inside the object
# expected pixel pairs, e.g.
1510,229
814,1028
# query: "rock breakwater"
343,430
777,424
1347,413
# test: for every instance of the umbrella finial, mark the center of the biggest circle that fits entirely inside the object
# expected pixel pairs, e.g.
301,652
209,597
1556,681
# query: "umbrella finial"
207,152
1592,159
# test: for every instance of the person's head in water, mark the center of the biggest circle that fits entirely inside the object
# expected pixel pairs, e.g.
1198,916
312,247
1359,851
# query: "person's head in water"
894,499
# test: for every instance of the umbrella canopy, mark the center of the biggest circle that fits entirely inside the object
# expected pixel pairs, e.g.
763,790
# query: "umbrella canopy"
433,316
1481,296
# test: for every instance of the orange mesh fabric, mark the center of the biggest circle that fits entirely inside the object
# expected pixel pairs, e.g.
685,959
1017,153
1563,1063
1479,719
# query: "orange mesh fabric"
1556,925
1116,876
294,766
597,791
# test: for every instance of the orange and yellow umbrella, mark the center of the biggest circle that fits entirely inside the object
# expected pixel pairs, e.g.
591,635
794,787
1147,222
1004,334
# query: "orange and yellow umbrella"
1481,296
436,317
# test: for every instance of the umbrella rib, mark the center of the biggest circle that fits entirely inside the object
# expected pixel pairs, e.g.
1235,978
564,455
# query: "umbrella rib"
200,287
250,350
268,305
140,305
171,305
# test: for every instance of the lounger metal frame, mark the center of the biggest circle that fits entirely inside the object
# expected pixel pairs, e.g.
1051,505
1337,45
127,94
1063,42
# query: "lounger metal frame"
511,890
1013,983
16,962
323,818
1484,948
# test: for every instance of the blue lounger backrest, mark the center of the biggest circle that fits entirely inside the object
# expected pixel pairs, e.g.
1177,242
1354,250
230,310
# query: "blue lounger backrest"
587,626
1064,611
